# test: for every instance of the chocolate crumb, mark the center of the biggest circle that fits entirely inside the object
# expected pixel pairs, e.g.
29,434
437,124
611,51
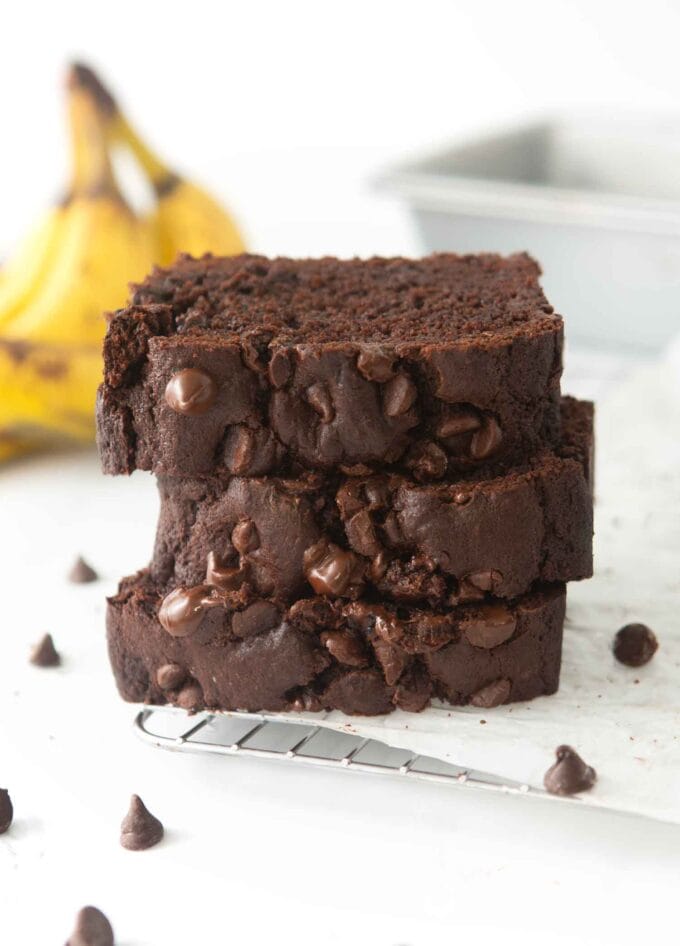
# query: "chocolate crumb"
44,653
91,929
6,810
569,774
139,829
635,645
81,572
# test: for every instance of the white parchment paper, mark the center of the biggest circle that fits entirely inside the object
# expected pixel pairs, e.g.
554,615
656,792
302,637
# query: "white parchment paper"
625,722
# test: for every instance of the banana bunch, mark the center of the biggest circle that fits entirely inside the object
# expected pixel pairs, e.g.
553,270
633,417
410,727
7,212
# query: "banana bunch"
76,265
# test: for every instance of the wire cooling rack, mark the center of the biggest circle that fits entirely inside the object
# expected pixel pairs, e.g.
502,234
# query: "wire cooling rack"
265,736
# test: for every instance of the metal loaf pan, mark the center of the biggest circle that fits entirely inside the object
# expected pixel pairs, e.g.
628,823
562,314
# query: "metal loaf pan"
595,198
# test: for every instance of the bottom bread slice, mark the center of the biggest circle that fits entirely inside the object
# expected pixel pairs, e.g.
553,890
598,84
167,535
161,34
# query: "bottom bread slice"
358,657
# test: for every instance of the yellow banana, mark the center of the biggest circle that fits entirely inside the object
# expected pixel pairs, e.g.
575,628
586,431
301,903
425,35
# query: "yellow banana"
12,447
48,387
103,245
22,275
187,218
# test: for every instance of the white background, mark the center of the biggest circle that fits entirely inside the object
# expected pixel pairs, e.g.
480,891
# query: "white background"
286,109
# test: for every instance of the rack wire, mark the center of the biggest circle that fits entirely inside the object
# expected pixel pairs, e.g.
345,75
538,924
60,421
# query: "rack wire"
264,736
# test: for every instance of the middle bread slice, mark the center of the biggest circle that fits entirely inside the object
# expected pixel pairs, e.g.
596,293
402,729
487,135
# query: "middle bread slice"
382,535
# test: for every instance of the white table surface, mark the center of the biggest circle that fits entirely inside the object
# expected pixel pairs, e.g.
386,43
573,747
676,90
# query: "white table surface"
259,852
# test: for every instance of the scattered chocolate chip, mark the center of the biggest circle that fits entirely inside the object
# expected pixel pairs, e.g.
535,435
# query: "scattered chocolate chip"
81,572
238,450
140,829
319,398
375,364
569,774
485,580
245,537
635,645
346,648
457,421
250,452
190,697
170,676
279,368
181,611
427,461
378,567
491,625
6,810
191,392
92,929
44,653
486,441
331,570
399,395
493,694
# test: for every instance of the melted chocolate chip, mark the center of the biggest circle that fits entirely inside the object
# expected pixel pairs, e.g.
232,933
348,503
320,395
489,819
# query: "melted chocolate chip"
279,368
346,648
91,929
486,441
238,450
245,537
569,774
319,398
191,392
181,611
493,694
361,534
45,654
392,659
635,645
427,461
485,580
140,829
81,572
170,676
190,697
491,625
331,570
6,811
399,395
375,365
223,577
457,421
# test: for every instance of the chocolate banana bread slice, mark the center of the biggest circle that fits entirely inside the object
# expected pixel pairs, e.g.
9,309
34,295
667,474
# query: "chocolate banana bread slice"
355,656
431,545
250,366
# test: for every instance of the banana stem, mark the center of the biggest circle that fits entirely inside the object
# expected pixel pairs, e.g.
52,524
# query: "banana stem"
92,170
119,129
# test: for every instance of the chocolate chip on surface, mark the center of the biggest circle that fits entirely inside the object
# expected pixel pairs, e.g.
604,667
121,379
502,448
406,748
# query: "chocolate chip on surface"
170,676
375,364
279,368
91,929
319,398
190,697
635,645
245,537
191,392
399,395
493,694
44,653
486,441
6,810
140,829
489,626
457,421
331,570
181,611
81,572
239,450
569,774
427,461
223,577
346,648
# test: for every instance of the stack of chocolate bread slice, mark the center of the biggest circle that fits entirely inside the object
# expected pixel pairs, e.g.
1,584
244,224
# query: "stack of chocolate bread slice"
372,492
